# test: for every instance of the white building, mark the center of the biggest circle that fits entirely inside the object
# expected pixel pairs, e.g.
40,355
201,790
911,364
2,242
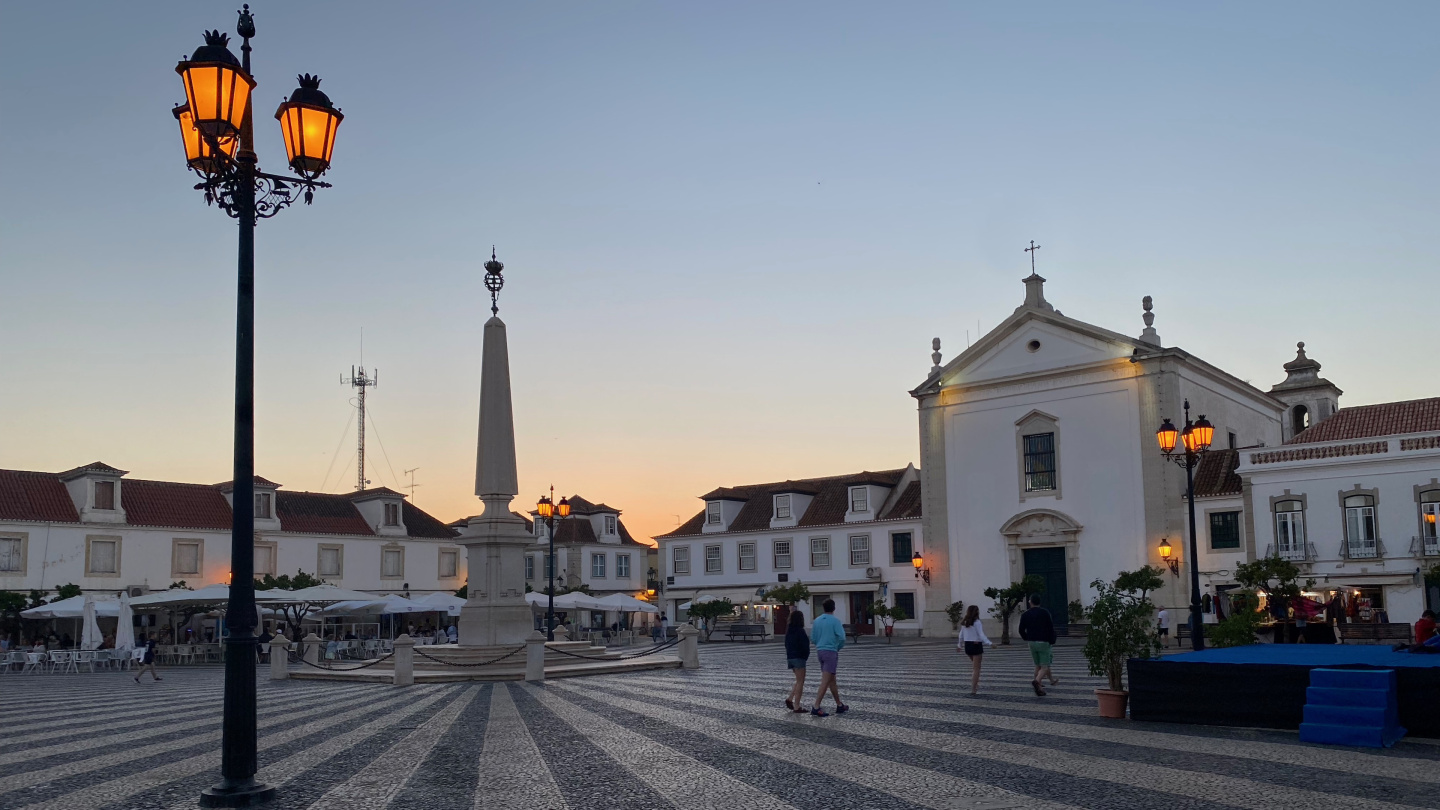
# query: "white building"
1039,457
593,549
94,527
850,538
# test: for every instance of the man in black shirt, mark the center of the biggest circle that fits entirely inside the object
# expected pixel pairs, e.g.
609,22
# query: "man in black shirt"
1037,628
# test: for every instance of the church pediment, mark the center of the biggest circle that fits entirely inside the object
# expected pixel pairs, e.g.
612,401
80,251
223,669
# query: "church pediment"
1040,523
1035,342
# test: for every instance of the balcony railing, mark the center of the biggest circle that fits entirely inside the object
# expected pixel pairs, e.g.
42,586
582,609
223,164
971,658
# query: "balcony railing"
1362,549
1291,551
1425,546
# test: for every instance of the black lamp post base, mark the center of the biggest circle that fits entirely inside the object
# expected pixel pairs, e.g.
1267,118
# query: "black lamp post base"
250,795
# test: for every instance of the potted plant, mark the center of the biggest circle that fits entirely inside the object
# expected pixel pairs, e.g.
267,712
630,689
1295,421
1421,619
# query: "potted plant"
955,611
889,615
1120,629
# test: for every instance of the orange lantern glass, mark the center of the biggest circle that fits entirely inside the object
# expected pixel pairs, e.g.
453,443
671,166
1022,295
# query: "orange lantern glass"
545,508
198,153
1167,436
309,121
1197,436
917,561
564,508
1165,549
217,89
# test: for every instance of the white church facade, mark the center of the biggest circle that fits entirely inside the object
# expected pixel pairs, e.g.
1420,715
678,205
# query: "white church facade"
1038,456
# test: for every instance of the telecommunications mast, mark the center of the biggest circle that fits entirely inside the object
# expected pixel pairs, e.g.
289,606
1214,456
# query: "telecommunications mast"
359,380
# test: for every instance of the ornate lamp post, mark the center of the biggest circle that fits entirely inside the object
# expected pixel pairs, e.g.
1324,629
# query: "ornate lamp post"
548,509
217,131
1195,439
921,572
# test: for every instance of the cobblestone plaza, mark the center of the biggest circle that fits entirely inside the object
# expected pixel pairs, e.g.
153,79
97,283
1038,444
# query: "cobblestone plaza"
717,737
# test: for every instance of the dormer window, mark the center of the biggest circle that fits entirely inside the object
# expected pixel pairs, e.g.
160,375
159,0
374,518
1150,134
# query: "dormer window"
392,514
609,524
712,513
105,495
859,499
782,507
262,505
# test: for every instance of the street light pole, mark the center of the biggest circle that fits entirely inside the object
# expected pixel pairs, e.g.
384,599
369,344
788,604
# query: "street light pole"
217,130
1195,438
546,509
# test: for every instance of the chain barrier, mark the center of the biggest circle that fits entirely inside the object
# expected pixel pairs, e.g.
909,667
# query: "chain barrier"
458,664
296,658
624,657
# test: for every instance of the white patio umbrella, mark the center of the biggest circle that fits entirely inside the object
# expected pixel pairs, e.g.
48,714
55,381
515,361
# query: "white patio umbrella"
314,595
72,608
699,600
443,602
125,630
628,604
90,638
208,595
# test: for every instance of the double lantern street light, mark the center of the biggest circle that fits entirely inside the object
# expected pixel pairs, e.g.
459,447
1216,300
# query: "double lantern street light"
1193,440
217,129
548,510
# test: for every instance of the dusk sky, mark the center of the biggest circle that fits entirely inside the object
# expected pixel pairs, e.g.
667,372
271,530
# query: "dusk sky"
730,230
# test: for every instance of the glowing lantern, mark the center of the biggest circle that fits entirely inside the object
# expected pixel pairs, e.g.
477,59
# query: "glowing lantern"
198,154
1165,549
1167,435
308,121
217,89
545,508
564,508
1197,437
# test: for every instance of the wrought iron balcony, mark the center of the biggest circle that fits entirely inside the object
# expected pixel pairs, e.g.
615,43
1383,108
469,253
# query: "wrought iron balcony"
1291,551
1425,546
1362,549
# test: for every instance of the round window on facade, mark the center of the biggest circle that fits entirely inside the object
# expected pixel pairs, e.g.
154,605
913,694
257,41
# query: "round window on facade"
1033,346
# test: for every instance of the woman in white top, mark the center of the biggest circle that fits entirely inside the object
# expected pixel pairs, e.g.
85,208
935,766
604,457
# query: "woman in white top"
973,643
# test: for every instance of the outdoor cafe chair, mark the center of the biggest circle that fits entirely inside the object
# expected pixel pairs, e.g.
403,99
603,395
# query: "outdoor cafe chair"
13,658
33,662
79,657
137,657
63,661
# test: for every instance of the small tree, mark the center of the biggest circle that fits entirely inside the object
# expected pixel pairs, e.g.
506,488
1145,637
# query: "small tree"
294,613
179,585
1144,580
1119,628
955,611
1009,598
888,615
708,612
66,591
464,591
11,603
1277,578
795,593
1240,627
1075,611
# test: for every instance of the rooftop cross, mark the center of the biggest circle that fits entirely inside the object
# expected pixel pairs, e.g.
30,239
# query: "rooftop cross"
1031,250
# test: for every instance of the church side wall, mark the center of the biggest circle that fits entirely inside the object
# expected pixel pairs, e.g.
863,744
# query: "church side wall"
944,577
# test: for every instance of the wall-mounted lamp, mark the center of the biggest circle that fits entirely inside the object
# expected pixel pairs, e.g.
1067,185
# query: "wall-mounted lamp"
1165,554
921,572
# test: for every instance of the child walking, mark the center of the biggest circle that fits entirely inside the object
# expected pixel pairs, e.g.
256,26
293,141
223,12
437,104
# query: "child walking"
973,643
797,654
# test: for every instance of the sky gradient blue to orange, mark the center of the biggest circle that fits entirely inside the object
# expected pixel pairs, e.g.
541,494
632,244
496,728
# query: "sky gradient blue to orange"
730,230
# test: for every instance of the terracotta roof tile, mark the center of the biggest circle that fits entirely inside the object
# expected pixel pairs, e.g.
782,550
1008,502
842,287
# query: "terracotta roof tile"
92,467
1384,419
827,507
35,496
319,513
419,523
907,505
166,503
1216,474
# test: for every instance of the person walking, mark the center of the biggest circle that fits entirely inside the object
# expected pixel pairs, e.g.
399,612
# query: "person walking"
829,639
973,642
1163,620
1037,628
797,655
148,662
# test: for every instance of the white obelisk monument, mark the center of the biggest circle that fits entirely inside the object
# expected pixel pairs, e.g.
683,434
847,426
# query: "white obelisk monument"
496,613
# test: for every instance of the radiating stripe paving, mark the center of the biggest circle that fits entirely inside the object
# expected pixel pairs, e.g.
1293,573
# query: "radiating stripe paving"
512,773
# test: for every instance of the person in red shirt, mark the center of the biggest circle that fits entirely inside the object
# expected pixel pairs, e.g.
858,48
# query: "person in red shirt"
1425,628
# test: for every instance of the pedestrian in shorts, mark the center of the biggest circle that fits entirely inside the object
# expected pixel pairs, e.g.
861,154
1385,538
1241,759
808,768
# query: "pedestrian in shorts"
973,642
1037,628
829,637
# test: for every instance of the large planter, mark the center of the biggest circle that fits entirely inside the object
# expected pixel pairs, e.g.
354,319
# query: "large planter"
1112,703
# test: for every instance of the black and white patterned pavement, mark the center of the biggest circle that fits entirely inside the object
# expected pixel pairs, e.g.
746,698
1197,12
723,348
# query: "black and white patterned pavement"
714,738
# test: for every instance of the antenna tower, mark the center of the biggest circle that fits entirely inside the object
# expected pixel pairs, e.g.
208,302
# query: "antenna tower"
360,380
412,485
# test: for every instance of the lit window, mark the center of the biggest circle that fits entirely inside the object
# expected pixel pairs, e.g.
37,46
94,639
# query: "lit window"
819,552
782,555
1429,514
597,566
622,566
187,557
713,564
902,548
712,513
1040,462
860,549
747,556
609,524
1224,530
392,514
331,560
104,494
859,499
782,507
12,554
450,565
104,557
392,562
680,559
262,505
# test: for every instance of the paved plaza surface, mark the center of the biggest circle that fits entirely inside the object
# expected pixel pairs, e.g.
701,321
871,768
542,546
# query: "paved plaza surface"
717,737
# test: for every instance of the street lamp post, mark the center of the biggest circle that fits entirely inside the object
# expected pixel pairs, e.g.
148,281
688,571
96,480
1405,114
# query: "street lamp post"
1195,438
548,509
217,130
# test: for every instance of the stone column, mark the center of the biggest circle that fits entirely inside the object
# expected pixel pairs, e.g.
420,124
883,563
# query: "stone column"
404,660
562,633
535,657
279,658
311,651
689,646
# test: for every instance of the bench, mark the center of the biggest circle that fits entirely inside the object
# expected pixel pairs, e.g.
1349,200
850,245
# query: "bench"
1182,631
852,633
1376,633
746,631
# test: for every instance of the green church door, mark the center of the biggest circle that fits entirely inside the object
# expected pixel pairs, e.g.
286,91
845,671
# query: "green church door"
1049,565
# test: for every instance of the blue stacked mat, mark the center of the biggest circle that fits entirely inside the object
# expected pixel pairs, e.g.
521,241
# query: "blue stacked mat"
1356,707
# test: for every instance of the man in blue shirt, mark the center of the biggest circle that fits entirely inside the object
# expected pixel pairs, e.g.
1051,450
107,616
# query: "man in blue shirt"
829,636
